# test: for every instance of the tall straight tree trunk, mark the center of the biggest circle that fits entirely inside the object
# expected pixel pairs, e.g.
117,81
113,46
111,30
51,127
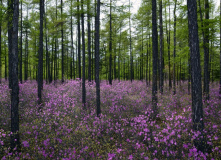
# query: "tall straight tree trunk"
197,105
155,58
62,46
174,51
147,65
161,48
40,54
47,53
72,43
205,32
79,39
131,56
15,140
83,56
20,61
119,54
97,57
110,47
89,39
168,46
206,54
10,27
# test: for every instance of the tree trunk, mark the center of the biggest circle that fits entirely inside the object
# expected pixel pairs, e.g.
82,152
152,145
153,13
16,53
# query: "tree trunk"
174,51
155,58
40,54
79,39
15,140
168,46
197,105
110,47
97,58
161,48
205,32
83,57
89,39
20,62
131,56
10,27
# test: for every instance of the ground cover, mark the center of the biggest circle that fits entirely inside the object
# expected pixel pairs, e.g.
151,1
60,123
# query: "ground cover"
63,130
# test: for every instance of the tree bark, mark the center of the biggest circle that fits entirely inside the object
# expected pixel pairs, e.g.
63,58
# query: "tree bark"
40,54
197,105
20,62
97,57
10,28
110,47
89,39
155,58
161,48
83,56
15,140
79,39
174,51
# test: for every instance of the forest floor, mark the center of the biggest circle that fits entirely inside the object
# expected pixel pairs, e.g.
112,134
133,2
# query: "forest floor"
63,130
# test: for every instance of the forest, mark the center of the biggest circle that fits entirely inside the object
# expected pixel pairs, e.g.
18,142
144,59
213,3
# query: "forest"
108,79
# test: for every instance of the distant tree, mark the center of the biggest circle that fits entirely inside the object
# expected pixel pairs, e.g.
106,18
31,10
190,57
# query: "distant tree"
15,140
110,46
197,105
174,50
89,38
62,45
97,56
155,58
40,54
20,60
83,56
161,47
79,39
10,25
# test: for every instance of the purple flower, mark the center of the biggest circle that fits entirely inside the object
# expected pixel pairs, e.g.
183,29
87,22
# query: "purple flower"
25,143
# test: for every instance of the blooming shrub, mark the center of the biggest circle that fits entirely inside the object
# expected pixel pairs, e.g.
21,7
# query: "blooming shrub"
63,130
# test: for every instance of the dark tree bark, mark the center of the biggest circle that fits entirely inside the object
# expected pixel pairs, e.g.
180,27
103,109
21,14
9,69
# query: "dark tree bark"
62,46
206,52
197,105
89,39
205,32
174,51
10,28
155,58
40,54
97,57
72,44
131,55
83,56
168,46
15,140
47,53
79,39
110,47
20,61
161,48
26,54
